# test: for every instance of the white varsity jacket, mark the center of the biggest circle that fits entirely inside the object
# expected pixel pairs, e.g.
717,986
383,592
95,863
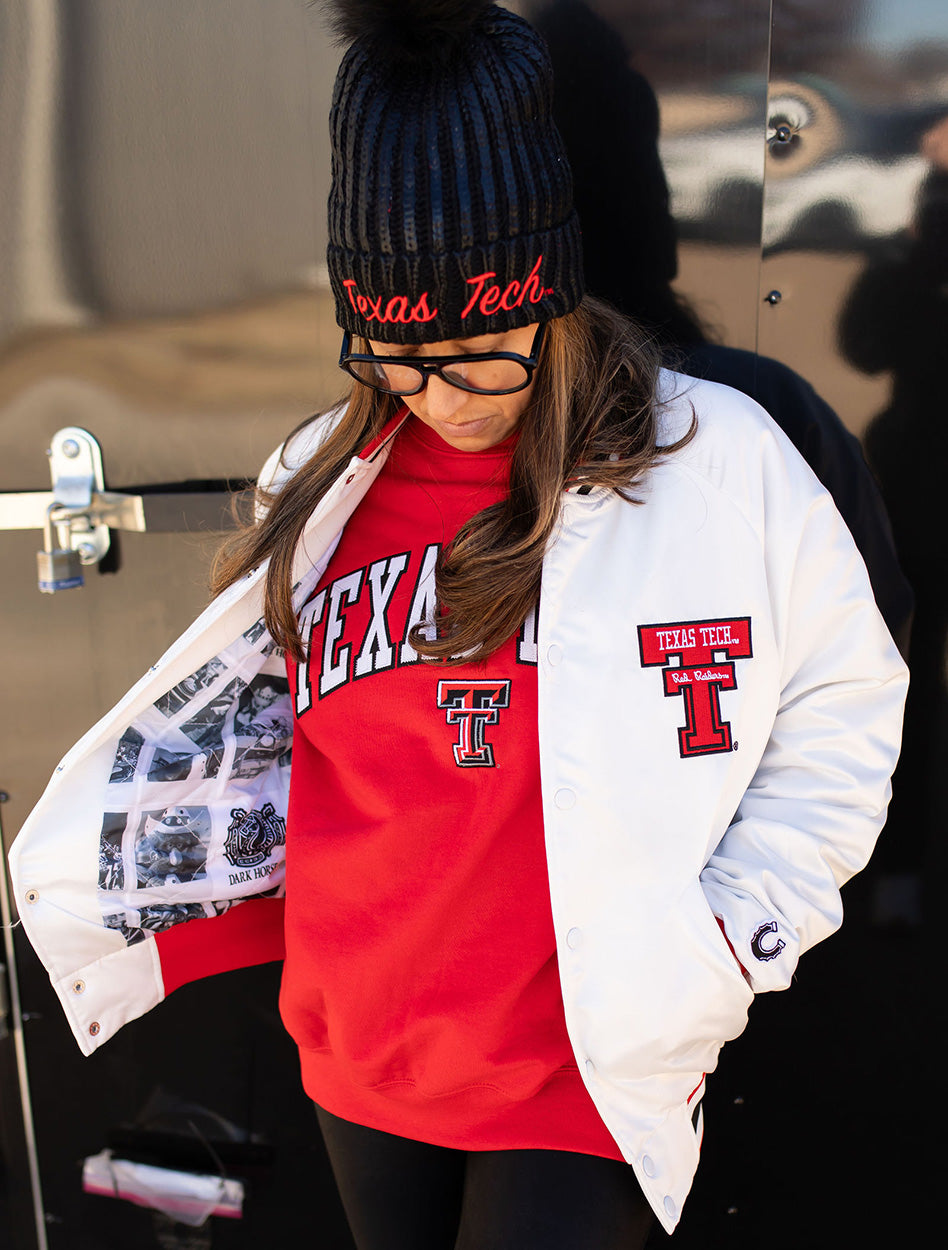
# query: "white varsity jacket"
719,715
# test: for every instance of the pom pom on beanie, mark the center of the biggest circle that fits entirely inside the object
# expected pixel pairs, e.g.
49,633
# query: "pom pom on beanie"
406,31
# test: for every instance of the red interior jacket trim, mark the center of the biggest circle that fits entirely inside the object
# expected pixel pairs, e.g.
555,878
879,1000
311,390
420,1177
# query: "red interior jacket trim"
371,450
249,933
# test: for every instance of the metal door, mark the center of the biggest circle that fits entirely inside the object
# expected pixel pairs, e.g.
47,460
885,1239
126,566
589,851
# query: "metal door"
767,175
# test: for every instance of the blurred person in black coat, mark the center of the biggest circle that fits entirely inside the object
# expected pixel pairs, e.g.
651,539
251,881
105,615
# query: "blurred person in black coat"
895,320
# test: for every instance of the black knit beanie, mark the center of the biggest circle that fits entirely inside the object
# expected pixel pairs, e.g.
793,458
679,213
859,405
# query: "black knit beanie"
451,209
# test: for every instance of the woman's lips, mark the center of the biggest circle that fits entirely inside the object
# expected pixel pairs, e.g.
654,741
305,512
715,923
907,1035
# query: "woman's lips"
464,429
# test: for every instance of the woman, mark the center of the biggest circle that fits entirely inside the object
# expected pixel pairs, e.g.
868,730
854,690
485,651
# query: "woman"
592,709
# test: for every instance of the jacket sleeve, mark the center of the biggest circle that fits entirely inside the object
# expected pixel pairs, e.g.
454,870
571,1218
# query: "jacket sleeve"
811,814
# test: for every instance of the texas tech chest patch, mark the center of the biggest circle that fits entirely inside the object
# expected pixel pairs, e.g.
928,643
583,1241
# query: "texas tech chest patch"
697,662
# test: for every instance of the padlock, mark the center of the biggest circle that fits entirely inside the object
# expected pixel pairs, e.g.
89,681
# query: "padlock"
59,570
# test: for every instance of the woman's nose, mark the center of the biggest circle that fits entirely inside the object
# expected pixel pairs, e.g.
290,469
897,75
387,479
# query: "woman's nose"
442,400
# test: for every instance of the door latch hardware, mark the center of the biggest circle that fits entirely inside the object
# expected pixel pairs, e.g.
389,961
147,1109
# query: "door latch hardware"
75,466
77,522
75,517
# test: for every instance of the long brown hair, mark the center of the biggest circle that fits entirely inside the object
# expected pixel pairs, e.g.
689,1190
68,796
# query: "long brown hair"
591,420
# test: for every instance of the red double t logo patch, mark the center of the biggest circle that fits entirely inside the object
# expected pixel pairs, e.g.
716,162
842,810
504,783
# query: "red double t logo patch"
472,705
698,661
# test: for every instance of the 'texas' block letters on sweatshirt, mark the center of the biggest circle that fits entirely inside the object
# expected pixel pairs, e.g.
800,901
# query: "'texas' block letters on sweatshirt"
345,658
467,703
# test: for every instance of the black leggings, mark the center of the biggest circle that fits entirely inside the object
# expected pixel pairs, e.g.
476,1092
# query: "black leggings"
406,1195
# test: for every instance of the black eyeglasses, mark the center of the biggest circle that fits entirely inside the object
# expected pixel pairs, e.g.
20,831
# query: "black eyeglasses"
483,373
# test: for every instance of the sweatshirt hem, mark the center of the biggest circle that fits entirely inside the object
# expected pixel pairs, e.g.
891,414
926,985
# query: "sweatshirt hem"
559,1115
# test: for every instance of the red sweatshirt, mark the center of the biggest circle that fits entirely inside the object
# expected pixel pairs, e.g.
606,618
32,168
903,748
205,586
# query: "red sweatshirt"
421,980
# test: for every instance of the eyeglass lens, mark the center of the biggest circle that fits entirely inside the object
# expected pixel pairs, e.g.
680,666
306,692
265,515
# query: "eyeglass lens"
469,374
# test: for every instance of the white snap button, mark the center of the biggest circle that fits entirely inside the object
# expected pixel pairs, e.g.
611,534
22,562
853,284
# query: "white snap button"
554,654
648,1166
573,939
590,1067
565,799
78,987
670,1209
